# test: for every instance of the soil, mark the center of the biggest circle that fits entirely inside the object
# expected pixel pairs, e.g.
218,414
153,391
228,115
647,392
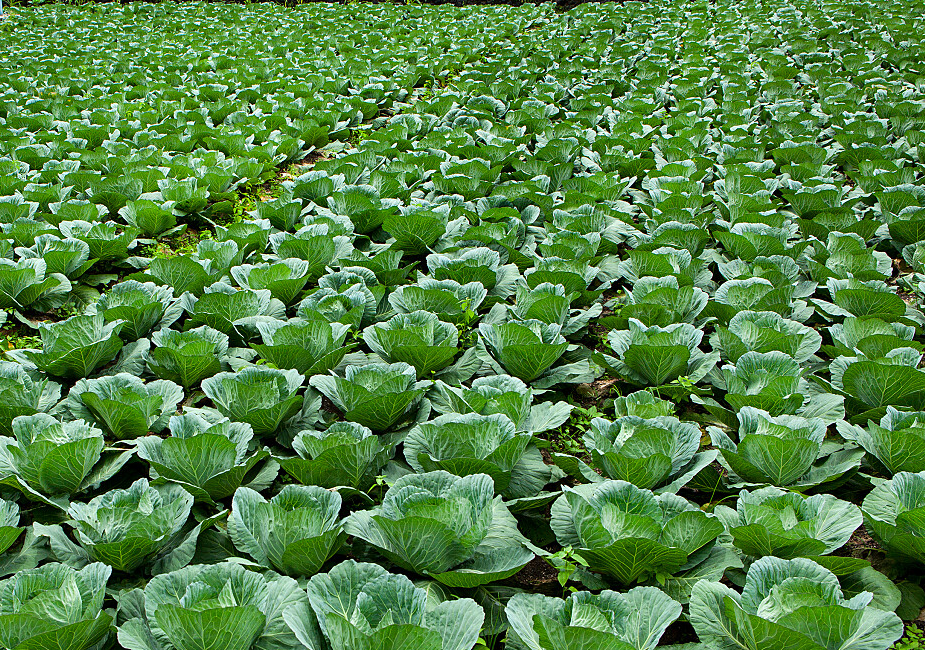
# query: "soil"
679,632
328,406
591,394
861,546
538,576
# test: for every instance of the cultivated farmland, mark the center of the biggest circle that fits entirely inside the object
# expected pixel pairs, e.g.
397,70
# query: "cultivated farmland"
375,326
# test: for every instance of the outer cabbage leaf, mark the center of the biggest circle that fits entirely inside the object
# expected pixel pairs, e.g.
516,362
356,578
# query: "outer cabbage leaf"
789,604
257,395
210,606
360,606
450,528
346,454
210,459
634,620
295,532
55,606
630,533
377,395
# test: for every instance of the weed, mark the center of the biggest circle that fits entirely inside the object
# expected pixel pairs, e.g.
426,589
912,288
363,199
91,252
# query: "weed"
566,561
567,439
183,244
913,639
14,340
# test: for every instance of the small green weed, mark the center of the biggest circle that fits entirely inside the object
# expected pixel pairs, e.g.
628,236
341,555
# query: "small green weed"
11,340
566,561
913,639
567,439
183,244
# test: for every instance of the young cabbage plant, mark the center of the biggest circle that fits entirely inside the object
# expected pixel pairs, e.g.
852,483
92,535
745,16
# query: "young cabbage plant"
143,525
665,261
151,219
141,306
789,604
75,347
634,620
55,606
870,385
453,529
660,453
257,395
317,245
500,394
662,301
210,606
23,392
786,451
642,404
549,303
284,279
355,306
894,513
451,301
376,395
187,358
66,256
387,265
765,331
234,312
419,339
363,280
771,521
654,356
576,275
361,606
895,445
346,454
123,405
49,460
872,337
480,444
295,532
775,382
415,232
524,349
27,282
629,533
107,241
863,299
312,347
756,294
479,264
210,457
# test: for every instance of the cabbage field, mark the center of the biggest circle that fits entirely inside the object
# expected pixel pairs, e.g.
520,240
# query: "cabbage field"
397,326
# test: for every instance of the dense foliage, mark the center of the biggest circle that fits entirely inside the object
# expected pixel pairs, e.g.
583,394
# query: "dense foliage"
390,326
